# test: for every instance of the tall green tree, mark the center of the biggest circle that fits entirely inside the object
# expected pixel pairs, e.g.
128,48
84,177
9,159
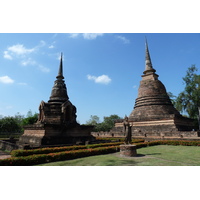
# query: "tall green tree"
107,124
94,120
189,100
30,118
14,125
172,98
9,125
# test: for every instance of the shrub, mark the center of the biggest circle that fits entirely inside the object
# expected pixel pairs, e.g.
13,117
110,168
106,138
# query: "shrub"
180,142
170,142
140,145
59,156
104,144
18,153
153,143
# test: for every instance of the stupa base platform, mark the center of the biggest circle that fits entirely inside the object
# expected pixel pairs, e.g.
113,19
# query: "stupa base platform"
39,135
171,126
151,134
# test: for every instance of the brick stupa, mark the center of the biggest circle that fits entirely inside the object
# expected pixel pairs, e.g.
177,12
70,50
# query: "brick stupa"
56,120
154,113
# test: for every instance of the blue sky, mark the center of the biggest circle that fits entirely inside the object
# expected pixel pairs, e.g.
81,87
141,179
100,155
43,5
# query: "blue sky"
102,71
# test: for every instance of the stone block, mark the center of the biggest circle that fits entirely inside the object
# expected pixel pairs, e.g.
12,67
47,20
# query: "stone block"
128,150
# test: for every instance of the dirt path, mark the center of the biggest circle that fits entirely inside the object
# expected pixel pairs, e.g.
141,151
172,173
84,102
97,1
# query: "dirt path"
4,155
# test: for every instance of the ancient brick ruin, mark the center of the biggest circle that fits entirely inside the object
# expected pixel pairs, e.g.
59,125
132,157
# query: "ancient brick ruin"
57,120
154,114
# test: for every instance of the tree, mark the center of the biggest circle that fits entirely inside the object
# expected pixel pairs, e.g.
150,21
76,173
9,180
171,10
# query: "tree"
19,118
107,124
9,125
29,114
94,120
189,99
172,98
31,119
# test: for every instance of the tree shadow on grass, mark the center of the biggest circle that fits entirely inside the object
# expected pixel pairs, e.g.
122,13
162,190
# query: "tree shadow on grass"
153,154
140,155
121,162
143,155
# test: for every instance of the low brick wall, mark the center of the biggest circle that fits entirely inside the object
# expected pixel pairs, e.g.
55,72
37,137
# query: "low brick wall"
177,134
107,134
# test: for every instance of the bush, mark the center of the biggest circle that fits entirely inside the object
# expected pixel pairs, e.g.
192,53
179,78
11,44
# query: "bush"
59,156
180,142
104,144
170,142
140,145
19,153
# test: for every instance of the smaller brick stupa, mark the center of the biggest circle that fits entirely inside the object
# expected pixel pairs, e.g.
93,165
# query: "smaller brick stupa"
153,113
56,123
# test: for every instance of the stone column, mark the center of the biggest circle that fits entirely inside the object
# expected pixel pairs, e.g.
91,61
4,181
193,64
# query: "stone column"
128,150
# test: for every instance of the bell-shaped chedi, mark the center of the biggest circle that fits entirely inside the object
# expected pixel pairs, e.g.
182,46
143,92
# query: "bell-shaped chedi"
153,101
56,123
154,113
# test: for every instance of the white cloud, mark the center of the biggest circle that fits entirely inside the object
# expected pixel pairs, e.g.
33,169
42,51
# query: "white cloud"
9,107
22,84
7,56
19,49
103,79
42,43
123,39
91,36
51,47
74,35
43,69
6,80
87,36
28,61
23,55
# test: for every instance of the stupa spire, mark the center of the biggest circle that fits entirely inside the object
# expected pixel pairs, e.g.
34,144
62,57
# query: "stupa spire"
59,90
60,70
148,63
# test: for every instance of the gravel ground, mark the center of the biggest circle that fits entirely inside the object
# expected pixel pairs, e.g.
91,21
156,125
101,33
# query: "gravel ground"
4,155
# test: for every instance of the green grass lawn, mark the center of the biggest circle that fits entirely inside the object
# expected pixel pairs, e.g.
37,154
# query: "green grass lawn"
160,155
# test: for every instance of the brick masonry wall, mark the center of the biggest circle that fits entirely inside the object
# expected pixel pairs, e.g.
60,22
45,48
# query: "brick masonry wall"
7,146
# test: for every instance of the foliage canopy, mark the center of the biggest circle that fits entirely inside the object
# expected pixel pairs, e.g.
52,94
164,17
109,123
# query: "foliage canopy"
189,100
9,125
106,125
